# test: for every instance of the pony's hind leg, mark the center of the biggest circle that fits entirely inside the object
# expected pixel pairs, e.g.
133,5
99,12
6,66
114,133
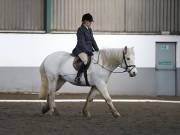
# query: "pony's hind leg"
60,83
45,107
50,106
90,97
54,85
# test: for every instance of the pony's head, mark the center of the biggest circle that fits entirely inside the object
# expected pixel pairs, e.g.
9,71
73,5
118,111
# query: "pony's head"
128,62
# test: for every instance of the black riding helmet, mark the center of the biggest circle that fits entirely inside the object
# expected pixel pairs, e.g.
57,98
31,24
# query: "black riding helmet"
87,17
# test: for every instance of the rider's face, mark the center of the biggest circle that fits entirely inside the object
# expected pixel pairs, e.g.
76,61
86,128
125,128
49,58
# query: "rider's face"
87,23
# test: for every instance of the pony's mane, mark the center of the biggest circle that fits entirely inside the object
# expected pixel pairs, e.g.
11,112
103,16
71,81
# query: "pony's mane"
111,56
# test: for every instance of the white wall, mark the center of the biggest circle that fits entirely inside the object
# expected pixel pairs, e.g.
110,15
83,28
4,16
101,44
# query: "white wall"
30,49
21,55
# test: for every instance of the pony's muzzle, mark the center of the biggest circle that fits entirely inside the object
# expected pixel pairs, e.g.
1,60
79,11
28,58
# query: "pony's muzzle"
133,74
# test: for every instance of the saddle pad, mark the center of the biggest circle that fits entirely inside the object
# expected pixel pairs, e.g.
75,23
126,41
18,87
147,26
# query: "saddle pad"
76,63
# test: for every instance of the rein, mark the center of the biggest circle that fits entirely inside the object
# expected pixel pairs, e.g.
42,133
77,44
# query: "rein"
126,69
97,63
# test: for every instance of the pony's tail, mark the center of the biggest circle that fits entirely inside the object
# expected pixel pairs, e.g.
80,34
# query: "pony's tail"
44,83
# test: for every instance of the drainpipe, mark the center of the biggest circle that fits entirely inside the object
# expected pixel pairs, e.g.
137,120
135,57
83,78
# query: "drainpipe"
47,16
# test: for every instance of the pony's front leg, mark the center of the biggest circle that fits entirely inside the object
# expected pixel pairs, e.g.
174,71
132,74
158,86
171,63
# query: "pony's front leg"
102,87
90,97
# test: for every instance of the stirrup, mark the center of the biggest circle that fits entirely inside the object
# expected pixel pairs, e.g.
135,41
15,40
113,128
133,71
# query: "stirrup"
77,80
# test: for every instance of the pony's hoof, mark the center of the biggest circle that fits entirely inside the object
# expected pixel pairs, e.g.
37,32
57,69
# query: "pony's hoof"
56,112
87,114
53,112
45,109
116,114
49,113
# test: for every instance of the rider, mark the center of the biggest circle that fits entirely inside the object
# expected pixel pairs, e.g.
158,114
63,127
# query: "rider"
85,44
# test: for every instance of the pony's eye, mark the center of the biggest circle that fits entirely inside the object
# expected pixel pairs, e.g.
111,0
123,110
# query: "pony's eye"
128,58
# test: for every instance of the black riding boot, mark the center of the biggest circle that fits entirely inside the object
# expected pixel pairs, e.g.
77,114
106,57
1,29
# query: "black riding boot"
80,71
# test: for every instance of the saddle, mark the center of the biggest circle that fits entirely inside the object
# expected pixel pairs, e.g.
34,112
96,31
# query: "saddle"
76,64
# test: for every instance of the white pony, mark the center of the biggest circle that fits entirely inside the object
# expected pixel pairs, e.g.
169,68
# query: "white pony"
57,68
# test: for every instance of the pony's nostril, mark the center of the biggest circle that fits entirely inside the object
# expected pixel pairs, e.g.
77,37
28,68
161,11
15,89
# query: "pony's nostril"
133,74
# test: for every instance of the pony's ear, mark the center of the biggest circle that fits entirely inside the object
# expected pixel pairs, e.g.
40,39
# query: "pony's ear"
125,49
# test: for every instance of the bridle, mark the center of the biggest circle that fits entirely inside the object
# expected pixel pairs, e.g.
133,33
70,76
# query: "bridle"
120,66
127,66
